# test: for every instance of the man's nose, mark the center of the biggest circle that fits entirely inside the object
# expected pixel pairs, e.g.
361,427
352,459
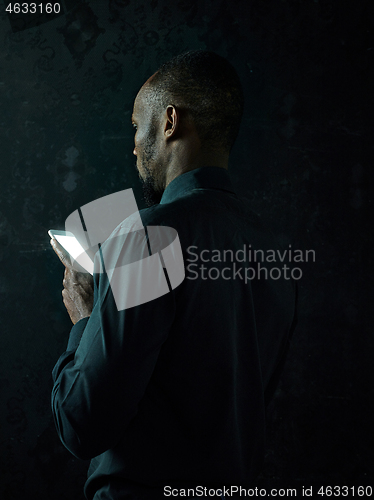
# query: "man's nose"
134,152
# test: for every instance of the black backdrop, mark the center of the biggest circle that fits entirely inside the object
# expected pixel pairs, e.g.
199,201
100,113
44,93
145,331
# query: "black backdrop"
303,160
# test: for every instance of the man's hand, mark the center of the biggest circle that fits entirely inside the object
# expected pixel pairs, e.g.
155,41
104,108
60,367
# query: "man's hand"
77,294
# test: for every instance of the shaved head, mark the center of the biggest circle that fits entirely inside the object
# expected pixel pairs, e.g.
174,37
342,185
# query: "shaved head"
207,87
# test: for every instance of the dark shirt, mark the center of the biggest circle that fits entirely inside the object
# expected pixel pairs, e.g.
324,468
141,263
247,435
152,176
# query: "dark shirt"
173,391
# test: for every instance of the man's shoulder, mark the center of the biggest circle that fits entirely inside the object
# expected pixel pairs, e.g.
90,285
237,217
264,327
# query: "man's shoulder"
172,214
198,209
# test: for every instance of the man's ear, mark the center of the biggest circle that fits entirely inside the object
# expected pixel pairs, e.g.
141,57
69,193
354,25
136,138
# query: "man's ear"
172,121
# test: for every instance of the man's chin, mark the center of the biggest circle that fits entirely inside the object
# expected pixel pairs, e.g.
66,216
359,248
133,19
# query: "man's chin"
139,174
152,199
150,195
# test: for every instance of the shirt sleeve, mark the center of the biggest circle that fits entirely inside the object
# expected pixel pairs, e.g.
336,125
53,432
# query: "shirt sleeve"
101,378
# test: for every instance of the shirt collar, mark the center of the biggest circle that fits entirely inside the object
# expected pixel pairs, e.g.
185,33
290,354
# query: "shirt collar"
204,177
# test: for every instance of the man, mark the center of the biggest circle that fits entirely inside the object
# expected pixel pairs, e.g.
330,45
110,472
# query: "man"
171,394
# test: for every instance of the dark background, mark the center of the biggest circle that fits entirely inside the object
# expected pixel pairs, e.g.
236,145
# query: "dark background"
304,160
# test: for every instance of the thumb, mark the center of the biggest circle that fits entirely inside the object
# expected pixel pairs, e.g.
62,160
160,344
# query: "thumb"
61,253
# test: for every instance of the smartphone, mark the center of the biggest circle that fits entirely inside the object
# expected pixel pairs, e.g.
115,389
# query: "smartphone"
70,243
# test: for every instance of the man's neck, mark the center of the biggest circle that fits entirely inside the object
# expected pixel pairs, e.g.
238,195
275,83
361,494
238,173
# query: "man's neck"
178,168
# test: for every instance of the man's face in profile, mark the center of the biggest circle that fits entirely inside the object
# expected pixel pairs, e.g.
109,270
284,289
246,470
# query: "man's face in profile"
146,149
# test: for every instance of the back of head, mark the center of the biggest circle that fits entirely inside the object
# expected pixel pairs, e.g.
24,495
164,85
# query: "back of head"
206,86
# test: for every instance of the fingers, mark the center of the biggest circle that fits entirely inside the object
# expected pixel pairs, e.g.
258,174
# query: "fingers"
67,300
78,289
70,306
75,278
78,302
